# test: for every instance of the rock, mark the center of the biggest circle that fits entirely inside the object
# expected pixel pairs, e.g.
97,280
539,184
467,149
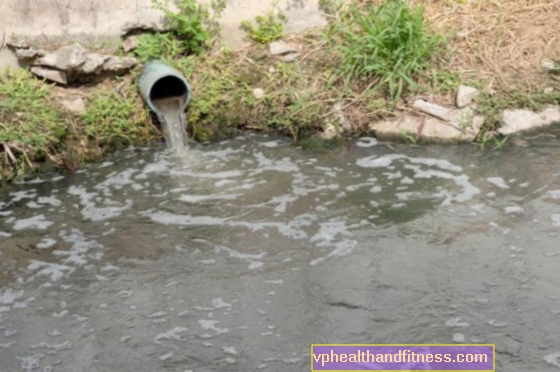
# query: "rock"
116,64
438,111
94,63
77,105
290,57
130,43
550,65
280,48
50,74
521,120
29,53
465,95
65,58
464,127
258,93
18,44
548,90
339,115
331,131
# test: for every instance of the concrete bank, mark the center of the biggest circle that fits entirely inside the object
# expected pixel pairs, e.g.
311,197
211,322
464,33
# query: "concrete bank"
93,22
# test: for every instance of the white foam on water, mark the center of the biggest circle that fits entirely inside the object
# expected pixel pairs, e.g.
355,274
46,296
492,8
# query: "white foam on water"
555,220
554,194
469,190
456,323
553,359
30,363
200,198
157,314
118,180
255,265
218,303
343,248
230,350
80,250
46,243
20,195
291,229
8,345
514,210
67,345
173,334
210,325
498,182
284,165
54,271
222,183
329,231
51,200
215,175
236,254
366,142
270,144
38,222
91,212
10,296
24,304
166,357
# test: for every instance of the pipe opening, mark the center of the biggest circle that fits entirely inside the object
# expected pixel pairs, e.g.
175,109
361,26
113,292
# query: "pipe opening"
167,91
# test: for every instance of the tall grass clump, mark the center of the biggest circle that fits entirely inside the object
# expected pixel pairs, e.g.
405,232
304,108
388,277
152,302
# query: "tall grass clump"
390,43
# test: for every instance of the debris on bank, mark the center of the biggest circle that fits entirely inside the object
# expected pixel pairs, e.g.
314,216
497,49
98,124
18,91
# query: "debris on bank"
70,63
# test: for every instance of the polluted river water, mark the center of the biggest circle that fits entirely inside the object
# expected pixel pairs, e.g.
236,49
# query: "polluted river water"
237,256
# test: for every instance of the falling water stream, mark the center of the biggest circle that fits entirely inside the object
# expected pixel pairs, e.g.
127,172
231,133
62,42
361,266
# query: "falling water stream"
237,256
173,121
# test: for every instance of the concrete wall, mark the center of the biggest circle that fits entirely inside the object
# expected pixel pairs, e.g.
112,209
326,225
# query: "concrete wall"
93,21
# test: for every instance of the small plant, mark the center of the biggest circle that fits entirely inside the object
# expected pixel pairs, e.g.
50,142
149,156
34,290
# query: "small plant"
389,42
269,28
194,26
499,143
158,45
408,136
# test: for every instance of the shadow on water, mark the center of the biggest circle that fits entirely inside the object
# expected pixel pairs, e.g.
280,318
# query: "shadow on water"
239,255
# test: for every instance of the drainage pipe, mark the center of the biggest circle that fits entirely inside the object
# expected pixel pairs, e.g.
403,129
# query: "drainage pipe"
160,81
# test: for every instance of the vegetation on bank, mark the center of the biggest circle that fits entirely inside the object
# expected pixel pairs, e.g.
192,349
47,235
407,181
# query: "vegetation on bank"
368,64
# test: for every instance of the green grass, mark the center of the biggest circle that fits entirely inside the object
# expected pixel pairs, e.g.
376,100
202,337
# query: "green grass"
116,118
269,28
30,125
389,43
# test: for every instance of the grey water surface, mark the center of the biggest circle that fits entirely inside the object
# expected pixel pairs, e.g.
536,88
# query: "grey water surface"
237,256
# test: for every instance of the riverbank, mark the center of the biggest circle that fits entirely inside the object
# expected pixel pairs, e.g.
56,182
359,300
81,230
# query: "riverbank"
370,72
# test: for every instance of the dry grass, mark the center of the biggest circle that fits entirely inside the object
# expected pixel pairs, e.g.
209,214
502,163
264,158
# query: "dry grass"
499,42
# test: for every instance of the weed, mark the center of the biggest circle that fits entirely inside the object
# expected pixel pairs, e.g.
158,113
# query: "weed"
114,119
30,125
330,7
194,30
389,42
269,27
500,142
158,45
408,136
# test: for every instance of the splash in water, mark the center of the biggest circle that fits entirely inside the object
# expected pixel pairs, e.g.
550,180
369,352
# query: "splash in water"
173,122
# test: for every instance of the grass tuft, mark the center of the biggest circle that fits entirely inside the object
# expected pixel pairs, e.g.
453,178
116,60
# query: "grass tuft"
389,43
